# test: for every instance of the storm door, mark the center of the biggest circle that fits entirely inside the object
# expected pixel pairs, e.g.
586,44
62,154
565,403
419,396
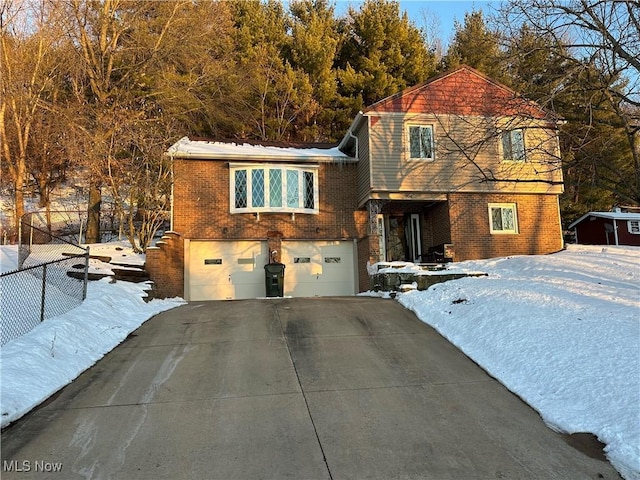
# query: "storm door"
412,231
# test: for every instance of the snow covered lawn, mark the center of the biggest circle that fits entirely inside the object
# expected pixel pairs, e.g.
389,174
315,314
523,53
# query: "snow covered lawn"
36,365
561,331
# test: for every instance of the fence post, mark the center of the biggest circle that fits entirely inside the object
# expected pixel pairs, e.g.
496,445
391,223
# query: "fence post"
86,274
44,288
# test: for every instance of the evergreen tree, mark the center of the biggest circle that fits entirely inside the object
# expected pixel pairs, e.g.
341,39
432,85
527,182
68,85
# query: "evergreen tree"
475,45
383,53
314,45
277,102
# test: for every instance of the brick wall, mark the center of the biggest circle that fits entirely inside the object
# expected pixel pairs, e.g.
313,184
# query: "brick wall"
435,226
202,210
165,265
539,230
368,252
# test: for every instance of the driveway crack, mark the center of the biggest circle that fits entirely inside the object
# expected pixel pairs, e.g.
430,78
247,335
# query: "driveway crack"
304,395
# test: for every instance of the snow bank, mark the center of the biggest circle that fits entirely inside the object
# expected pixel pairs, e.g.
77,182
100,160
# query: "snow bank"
561,331
36,365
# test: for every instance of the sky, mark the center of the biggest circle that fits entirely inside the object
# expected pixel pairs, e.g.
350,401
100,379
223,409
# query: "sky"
446,11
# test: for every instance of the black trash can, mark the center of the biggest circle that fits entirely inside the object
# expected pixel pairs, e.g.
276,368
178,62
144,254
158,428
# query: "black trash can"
274,279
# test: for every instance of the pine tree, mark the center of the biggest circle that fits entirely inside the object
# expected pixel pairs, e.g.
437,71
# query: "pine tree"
383,53
475,45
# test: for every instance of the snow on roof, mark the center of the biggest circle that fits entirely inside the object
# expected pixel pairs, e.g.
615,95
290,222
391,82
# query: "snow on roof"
609,215
214,150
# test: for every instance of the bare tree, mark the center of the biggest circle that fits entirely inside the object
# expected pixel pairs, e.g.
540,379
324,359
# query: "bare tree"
116,42
596,43
29,68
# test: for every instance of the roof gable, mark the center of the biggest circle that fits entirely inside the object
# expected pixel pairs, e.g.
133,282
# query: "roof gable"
464,91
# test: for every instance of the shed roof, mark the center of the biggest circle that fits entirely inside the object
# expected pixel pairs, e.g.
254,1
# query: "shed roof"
609,215
187,148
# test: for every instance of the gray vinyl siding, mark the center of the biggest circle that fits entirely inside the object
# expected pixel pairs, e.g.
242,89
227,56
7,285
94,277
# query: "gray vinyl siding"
458,165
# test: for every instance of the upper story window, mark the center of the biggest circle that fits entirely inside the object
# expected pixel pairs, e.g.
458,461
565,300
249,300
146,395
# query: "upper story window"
273,188
503,218
421,142
513,146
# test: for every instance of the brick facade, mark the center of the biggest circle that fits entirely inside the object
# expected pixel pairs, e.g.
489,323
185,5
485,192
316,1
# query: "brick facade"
165,265
201,189
539,229
201,195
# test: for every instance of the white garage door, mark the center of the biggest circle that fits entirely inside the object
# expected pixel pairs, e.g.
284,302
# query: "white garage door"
220,270
318,268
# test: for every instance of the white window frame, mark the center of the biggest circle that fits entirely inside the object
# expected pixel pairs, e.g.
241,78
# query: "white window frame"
284,207
408,128
503,206
633,226
508,156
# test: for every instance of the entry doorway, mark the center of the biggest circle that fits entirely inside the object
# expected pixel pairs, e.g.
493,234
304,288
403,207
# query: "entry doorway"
402,238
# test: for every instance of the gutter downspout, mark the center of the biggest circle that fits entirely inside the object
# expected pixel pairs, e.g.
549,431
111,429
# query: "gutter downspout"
351,135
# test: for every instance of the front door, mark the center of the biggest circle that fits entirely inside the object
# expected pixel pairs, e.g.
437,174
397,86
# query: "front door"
402,238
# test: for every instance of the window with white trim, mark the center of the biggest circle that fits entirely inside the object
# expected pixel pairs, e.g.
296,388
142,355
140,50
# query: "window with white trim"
420,141
503,218
634,226
273,188
513,146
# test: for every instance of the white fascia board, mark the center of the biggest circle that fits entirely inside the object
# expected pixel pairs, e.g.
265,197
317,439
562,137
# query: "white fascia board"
607,215
355,125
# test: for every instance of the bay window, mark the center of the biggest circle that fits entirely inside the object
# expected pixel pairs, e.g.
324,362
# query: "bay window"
273,188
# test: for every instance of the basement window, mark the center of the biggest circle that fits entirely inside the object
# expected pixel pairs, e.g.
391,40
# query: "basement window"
273,188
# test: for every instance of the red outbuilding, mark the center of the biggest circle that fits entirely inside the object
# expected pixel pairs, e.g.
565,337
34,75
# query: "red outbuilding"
607,228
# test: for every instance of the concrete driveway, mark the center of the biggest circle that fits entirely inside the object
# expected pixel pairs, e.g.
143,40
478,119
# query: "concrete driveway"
327,388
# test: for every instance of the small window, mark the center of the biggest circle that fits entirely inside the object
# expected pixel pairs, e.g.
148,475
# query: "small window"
421,142
503,218
513,146
301,260
308,190
241,189
332,260
213,261
634,226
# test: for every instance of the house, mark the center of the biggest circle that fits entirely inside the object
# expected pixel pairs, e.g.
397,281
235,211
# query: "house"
457,168
607,228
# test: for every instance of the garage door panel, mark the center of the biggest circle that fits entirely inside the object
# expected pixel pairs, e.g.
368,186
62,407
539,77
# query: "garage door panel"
226,270
320,268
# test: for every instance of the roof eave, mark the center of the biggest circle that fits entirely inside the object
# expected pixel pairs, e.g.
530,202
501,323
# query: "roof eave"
261,158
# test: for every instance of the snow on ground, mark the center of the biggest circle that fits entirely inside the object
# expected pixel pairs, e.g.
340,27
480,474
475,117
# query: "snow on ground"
36,365
561,331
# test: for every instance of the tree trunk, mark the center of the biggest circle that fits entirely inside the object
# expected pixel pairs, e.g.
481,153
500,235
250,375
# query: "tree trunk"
93,214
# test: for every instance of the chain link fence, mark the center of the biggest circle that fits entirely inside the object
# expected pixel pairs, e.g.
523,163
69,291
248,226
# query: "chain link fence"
51,280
